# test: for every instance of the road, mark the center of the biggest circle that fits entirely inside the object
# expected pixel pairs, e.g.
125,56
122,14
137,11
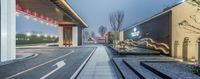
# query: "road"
51,63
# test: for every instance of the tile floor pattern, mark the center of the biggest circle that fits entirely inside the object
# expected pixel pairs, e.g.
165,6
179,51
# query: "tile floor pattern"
98,66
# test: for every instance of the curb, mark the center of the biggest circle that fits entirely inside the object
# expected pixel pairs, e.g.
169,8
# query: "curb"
18,59
78,71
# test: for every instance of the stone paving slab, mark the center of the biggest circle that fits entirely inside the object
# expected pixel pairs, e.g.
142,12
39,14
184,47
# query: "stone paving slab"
98,66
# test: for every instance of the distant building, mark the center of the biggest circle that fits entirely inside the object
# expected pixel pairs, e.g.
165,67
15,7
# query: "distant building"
163,32
101,40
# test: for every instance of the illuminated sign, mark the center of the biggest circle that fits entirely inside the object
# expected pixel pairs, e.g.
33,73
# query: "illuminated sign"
135,32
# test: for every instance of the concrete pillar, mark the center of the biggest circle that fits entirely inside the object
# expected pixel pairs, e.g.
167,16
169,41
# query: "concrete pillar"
176,45
60,30
8,30
121,36
185,48
74,36
199,51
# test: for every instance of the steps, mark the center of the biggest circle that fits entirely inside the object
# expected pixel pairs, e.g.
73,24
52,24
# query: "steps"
135,70
170,69
124,69
155,71
141,71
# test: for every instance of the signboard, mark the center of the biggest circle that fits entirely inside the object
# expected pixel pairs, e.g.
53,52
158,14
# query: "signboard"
135,32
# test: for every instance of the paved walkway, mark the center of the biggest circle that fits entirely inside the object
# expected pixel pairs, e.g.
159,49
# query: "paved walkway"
98,66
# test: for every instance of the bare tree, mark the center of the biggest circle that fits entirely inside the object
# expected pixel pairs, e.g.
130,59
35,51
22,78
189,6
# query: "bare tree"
102,30
116,20
93,35
86,34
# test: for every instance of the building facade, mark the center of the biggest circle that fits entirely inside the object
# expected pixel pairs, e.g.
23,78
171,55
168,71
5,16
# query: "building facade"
170,31
53,12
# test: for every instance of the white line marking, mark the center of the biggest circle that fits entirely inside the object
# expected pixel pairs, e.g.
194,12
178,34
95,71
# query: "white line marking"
59,65
39,65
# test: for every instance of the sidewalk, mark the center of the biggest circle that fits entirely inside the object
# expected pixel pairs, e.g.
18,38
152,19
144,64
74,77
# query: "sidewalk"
98,66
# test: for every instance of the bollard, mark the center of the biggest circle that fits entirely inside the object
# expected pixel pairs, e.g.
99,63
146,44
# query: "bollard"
176,44
185,48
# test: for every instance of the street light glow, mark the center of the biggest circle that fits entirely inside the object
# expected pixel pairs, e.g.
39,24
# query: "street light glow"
182,0
38,35
51,36
28,34
56,36
45,35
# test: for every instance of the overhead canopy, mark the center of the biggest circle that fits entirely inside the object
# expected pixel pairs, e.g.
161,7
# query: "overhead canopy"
55,9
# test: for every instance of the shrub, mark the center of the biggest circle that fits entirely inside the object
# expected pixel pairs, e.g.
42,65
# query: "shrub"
196,69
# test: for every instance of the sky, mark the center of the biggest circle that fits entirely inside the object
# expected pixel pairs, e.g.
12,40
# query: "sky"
24,26
96,12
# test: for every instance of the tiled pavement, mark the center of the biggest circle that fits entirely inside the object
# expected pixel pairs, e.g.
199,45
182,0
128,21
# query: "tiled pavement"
98,66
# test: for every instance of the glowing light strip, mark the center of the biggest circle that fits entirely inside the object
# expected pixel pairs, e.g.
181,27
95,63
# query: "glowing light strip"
156,47
67,5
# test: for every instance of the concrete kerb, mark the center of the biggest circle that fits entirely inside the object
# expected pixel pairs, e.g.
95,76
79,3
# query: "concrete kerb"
18,59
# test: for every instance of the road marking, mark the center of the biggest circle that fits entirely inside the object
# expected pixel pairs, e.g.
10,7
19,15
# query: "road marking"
59,65
39,65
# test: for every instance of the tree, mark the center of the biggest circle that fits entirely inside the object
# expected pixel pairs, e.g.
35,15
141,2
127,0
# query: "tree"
93,35
86,34
116,20
102,30
186,24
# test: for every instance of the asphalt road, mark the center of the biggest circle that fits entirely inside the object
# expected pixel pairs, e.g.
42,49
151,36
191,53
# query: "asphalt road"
51,63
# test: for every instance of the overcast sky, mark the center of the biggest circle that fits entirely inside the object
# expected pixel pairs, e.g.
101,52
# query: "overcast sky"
96,12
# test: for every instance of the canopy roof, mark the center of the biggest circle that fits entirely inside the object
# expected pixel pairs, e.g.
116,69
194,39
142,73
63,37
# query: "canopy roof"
59,10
